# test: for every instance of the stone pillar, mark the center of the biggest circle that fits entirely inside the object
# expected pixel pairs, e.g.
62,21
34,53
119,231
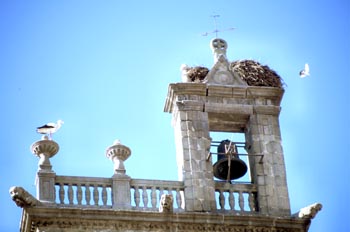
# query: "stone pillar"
121,197
45,182
268,172
192,147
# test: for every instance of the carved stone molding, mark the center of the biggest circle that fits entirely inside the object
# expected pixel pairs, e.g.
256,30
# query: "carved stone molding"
152,226
75,219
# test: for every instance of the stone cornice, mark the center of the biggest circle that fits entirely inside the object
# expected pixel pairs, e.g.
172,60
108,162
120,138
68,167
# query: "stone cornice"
175,89
237,109
270,110
111,220
270,96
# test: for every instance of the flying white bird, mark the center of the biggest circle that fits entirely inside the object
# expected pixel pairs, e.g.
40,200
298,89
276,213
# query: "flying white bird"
49,128
305,72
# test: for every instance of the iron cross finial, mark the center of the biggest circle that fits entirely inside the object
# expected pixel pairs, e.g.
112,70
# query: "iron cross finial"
216,27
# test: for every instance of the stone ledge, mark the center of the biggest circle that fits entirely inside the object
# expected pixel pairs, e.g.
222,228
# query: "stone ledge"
236,109
73,220
271,95
175,89
265,92
269,110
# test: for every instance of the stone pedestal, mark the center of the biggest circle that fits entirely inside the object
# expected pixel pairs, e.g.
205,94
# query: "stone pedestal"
45,182
118,153
121,196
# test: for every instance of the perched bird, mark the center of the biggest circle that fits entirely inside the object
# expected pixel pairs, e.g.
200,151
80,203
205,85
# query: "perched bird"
184,73
49,128
305,72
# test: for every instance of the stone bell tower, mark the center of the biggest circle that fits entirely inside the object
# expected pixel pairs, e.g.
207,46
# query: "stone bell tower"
241,96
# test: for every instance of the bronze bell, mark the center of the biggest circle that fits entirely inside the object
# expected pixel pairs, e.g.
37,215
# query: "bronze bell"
225,169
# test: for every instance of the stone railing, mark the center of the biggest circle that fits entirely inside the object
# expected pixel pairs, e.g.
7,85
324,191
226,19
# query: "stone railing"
146,194
83,191
124,193
97,192
236,197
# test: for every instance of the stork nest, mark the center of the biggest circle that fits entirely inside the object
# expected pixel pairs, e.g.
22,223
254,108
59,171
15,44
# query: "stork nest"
197,74
255,74
250,71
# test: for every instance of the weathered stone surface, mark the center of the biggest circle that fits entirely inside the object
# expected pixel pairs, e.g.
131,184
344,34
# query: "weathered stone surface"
45,186
22,198
121,191
91,220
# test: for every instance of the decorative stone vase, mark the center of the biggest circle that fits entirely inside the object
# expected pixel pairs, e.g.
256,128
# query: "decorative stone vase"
118,153
45,149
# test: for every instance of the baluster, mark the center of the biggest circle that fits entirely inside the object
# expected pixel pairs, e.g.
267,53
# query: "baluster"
79,194
154,197
137,196
104,195
61,193
221,200
87,194
174,195
95,194
251,200
178,198
144,196
231,200
70,194
161,192
54,194
241,201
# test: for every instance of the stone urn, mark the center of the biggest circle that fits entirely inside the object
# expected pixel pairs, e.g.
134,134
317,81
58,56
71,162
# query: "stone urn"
118,153
45,149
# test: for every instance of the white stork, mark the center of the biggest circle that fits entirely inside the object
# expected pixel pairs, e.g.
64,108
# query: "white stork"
49,128
305,72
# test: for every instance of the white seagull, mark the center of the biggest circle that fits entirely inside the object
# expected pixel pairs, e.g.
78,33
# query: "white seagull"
49,128
305,72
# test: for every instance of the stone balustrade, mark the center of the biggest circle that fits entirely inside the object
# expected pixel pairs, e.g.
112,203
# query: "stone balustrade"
97,192
83,191
92,192
146,193
121,192
236,197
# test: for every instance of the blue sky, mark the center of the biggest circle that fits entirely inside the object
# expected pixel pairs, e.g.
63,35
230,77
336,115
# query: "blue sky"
104,68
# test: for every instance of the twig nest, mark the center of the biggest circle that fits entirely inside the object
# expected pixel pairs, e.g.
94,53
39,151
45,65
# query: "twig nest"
255,74
197,74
